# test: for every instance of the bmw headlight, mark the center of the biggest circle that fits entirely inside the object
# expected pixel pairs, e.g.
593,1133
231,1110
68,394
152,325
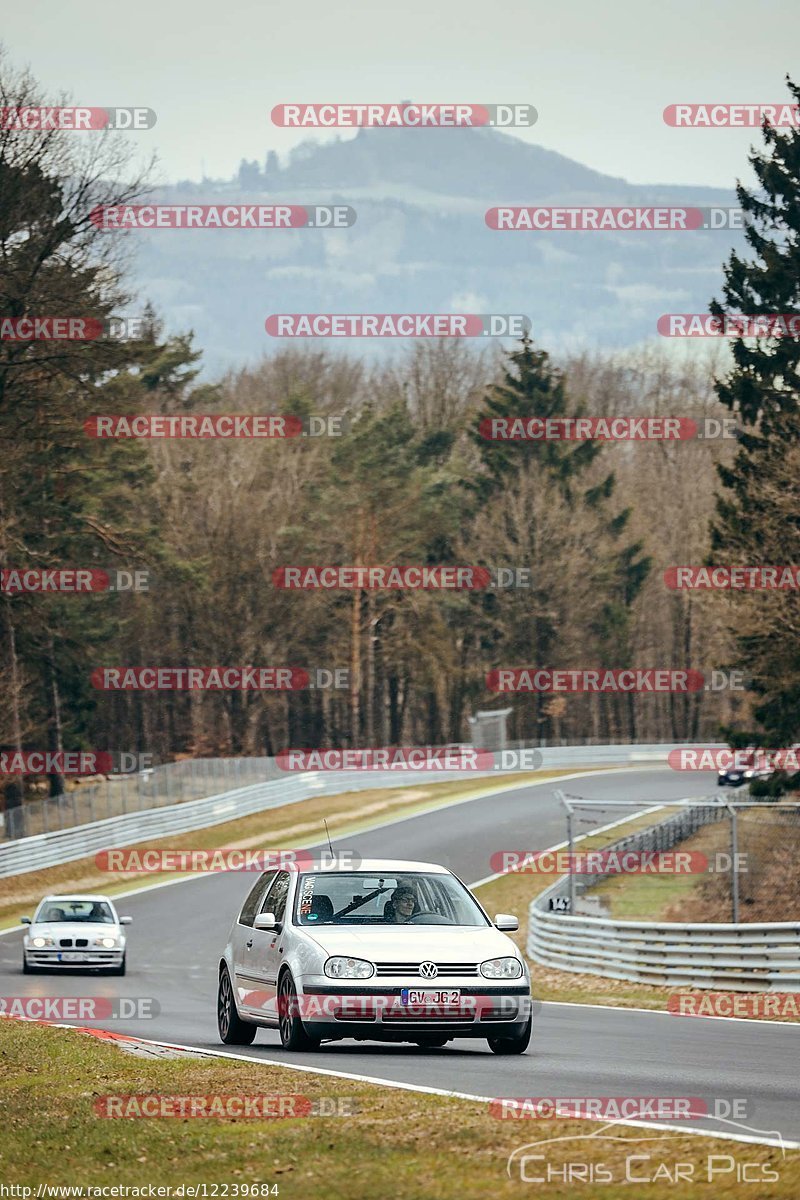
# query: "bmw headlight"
108,943
40,942
348,968
501,968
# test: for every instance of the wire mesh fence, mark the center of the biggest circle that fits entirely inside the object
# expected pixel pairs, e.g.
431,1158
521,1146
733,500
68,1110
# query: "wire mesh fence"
112,796
741,861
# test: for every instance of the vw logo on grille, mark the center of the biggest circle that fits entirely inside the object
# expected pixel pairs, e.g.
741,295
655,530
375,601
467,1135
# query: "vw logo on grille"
428,970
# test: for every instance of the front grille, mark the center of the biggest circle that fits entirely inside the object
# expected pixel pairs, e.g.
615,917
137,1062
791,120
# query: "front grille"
427,1023
439,1012
81,942
65,942
446,970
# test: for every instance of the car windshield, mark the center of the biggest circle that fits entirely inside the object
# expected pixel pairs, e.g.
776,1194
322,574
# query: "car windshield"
369,898
90,911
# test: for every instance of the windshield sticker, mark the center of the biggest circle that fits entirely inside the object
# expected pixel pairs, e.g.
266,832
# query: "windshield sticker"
307,896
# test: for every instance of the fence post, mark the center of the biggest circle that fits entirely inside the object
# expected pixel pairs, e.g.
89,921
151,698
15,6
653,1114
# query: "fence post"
559,795
734,866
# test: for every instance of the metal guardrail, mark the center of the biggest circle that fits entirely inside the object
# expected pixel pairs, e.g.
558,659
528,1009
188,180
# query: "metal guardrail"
172,783
66,845
97,798
741,957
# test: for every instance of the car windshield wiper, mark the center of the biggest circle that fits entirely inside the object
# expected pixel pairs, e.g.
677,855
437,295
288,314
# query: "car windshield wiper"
358,903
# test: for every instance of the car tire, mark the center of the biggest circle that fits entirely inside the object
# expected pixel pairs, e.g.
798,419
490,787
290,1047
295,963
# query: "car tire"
293,1033
120,970
233,1031
512,1045
431,1043
26,968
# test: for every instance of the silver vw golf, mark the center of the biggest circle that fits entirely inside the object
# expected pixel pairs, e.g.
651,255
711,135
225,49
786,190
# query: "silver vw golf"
392,951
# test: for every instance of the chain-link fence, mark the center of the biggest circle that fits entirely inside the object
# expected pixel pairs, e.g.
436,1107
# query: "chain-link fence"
197,778
741,859
171,783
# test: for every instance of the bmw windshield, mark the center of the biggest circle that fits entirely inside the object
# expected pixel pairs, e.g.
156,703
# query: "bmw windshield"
363,898
93,912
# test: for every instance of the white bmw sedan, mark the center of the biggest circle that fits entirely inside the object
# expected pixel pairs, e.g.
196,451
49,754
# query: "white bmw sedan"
392,951
74,931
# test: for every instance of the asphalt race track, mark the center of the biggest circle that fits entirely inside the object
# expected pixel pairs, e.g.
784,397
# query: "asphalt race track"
179,932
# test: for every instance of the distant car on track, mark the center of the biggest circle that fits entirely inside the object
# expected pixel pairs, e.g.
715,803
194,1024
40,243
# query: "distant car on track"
748,765
392,951
75,931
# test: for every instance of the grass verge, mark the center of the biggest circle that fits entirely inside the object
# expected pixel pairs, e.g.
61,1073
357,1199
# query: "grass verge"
401,1144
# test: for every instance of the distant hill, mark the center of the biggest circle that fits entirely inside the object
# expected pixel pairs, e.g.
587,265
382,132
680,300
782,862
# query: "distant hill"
420,244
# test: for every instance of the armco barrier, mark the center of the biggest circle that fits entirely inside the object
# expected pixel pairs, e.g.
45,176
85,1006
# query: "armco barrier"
65,845
741,957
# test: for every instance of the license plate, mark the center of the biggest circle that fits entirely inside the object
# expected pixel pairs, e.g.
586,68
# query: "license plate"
430,996
70,956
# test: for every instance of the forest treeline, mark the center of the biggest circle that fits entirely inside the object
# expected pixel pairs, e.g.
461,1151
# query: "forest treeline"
410,481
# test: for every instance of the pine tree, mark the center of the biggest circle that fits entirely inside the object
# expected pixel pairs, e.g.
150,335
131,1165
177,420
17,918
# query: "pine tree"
533,621
758,510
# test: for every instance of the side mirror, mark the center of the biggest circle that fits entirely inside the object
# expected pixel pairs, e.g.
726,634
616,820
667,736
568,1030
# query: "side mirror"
506,923
126,920
25,921
265,921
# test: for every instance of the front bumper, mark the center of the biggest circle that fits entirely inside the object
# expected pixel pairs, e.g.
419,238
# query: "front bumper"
332,1011
74,958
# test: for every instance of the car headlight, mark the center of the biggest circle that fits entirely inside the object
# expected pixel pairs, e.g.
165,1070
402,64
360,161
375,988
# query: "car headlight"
348,968
749,774
108,943
501,968
39,942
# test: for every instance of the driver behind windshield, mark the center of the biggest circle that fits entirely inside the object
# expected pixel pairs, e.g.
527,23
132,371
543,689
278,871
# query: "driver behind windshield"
404,904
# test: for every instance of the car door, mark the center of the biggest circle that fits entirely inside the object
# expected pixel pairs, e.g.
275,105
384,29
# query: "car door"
246,980
267,954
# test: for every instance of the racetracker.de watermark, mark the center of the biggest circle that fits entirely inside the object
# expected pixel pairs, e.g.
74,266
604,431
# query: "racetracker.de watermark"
197,862
618,1108
72,762
71,580
222,216
605,862
224,1107
732,116
741,1005
407,115
396,578
72,329
591,219
80,1008
215,425
581,680
714,758
397,325
218,679
607,429
49,118
733,578
388,758
759,325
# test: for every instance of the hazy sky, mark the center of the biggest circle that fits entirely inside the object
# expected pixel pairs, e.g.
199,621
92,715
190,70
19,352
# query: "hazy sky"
599,74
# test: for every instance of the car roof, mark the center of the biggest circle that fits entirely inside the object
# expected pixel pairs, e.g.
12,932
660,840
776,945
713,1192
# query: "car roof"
75,896
392,866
